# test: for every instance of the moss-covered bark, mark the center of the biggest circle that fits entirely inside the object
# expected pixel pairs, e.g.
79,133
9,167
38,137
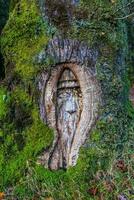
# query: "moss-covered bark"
105,167
4,10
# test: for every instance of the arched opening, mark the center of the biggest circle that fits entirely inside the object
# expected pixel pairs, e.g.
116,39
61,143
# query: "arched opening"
69,104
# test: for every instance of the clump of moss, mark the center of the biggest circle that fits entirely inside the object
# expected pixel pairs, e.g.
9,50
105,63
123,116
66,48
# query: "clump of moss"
3,106
96,23
19,147
24,36
23,133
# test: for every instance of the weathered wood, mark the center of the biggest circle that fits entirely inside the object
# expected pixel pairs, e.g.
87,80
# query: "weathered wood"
70,110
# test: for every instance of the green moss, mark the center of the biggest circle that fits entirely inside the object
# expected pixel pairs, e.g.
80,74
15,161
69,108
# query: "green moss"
24,36
22,140
4,99
95,22
37,137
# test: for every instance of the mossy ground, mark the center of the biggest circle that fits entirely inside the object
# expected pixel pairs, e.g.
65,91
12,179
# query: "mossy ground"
105,166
